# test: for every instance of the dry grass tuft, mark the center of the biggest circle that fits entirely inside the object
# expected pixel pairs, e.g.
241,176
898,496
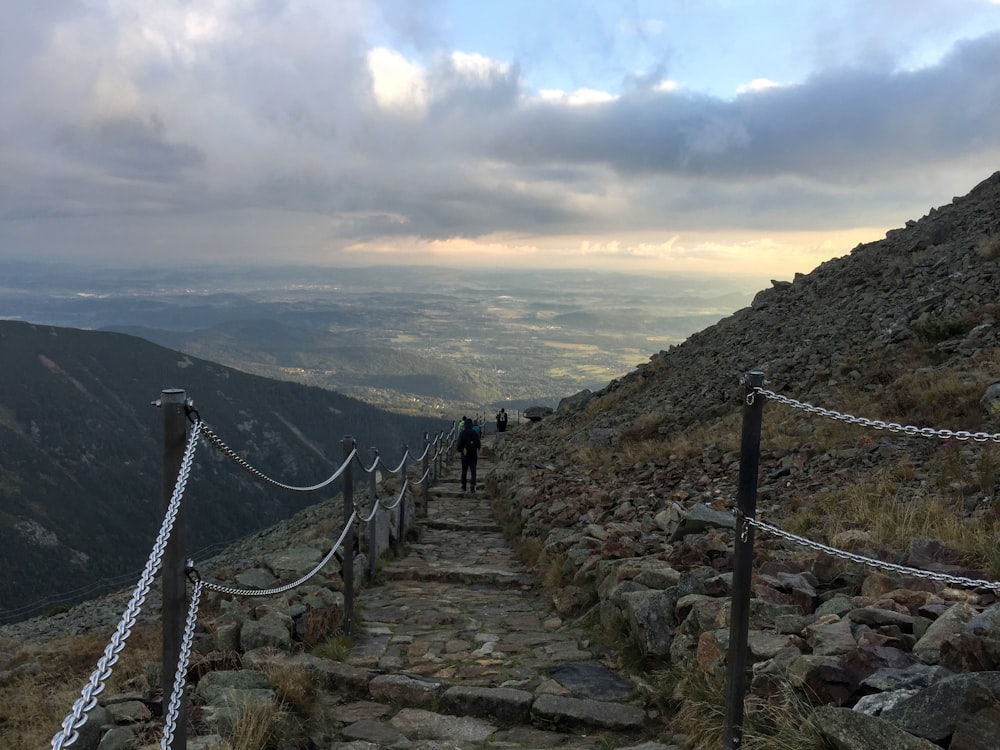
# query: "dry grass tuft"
892,514
942,398
34,703
293,686
697,701
336,647
260,726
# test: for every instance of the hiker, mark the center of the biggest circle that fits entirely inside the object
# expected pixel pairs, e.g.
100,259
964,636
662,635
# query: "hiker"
468,446
502,420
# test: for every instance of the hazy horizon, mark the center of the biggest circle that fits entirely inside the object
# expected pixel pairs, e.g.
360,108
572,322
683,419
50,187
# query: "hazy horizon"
764,136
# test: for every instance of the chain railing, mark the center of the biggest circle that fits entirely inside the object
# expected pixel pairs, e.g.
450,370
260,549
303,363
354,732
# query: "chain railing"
979,437
243,464
931,575
180,676
746,511
77,717
930,432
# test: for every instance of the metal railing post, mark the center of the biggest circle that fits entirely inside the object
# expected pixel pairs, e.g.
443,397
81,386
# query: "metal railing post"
350,541
424,466
402,496
174,584
739,616
373,522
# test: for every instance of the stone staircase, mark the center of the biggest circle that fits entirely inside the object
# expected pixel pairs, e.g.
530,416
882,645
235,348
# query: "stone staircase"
456,646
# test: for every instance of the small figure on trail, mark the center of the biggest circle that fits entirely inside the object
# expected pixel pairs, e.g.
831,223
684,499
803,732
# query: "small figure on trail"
468,446
502,420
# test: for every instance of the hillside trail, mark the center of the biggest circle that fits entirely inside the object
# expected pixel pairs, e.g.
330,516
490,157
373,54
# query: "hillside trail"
469,652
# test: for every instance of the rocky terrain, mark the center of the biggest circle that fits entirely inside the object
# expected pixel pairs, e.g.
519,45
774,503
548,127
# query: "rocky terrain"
633,488
622,501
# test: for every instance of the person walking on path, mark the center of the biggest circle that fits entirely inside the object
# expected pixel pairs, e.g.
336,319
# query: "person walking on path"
469,445
502,420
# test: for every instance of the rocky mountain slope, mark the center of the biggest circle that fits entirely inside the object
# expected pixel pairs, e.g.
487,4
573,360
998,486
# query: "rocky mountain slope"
81,455
630,490
623,500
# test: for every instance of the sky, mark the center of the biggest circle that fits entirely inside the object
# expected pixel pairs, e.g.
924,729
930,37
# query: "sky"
720,136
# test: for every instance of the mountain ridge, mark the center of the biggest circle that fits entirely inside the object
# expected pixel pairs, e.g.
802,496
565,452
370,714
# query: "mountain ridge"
81,460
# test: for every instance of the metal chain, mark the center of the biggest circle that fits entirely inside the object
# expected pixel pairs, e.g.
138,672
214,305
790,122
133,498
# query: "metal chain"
233,456
979,437
399,497
180,676
961,581
402,463
77,717
288,586
422,478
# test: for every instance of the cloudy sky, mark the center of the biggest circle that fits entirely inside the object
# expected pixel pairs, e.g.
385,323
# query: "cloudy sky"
715,135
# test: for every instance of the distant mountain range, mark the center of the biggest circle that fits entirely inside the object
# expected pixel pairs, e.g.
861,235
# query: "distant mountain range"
81,453
330,360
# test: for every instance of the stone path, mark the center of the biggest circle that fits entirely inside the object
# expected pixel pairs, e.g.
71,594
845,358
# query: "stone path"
470,655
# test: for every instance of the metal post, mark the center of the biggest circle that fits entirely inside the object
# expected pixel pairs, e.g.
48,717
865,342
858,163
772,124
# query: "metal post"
172,402
373,522
350,541
739,616
424,466
402,497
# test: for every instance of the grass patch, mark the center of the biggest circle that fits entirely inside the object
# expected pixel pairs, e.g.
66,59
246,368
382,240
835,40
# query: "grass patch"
336,647
34,702
696,702
893,515
259,726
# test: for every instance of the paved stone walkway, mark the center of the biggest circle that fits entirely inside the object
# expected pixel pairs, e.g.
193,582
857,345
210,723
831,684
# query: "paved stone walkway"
466,643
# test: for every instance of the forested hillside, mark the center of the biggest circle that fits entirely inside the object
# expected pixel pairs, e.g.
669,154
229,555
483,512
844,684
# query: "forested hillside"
81,453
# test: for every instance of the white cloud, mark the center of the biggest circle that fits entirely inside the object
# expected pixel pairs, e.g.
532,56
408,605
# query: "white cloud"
396,82
580,97
758,84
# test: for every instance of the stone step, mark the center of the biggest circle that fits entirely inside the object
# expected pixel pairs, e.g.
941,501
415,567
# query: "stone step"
462,574
392,710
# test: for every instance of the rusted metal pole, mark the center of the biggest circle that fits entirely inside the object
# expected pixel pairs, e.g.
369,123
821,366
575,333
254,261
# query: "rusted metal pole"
174,584
739,617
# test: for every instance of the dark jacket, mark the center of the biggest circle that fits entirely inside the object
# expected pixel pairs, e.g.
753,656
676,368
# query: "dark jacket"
469,438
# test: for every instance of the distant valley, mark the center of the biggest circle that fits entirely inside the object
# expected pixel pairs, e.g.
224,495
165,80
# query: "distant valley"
415,340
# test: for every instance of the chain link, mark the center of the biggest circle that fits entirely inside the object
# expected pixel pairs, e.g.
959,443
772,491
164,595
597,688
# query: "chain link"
235,458
979,437
961,581
77,717
180,676
288,586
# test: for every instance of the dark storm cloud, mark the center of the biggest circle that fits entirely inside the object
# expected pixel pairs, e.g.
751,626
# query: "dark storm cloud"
269,107
838,126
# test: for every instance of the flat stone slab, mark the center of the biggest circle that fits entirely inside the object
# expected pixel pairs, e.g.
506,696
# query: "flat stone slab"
591,680
504,704
405,690
560,711
418,724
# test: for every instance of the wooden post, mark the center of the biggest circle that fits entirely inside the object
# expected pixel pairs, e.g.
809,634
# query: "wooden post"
174,585
739,616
